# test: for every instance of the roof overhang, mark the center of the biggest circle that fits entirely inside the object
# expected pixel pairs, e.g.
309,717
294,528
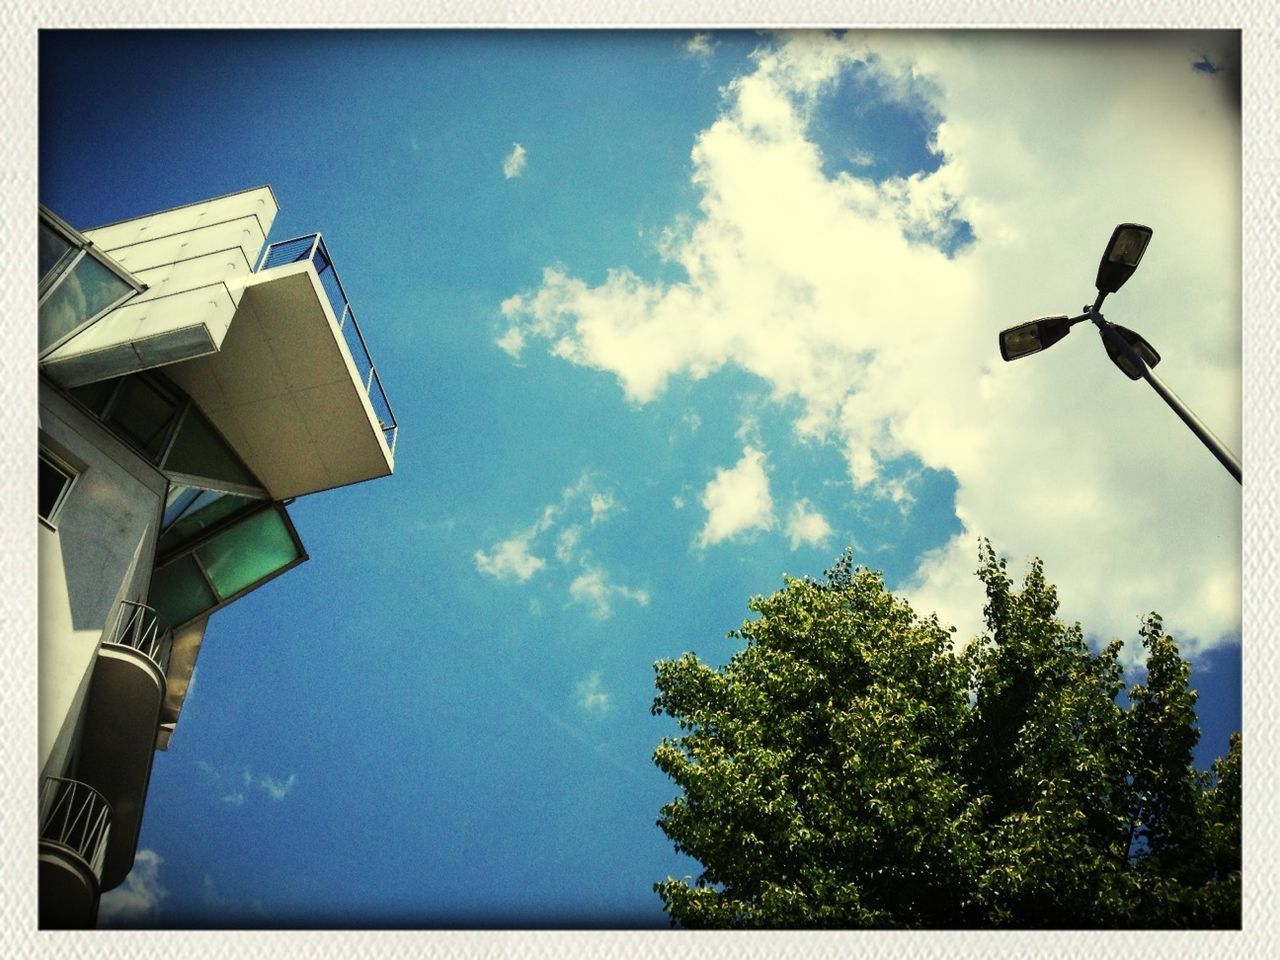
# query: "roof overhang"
285,392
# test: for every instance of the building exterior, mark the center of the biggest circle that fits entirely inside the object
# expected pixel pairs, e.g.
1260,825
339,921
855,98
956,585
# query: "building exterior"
191,385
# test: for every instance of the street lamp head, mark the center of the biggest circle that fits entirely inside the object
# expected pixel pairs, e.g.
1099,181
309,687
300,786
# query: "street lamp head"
1124,251
1033,336
1120,357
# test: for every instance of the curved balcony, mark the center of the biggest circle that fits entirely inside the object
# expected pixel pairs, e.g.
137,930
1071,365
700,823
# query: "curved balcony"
75,825
121,720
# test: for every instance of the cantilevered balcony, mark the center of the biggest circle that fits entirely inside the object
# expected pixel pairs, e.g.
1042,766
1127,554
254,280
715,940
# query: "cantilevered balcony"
75,825
121,720
294,388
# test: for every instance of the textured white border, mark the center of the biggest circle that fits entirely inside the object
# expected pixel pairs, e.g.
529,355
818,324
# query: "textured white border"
1261,305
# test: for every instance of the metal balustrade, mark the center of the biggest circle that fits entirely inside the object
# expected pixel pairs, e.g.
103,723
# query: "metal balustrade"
141,628
312,247
76,816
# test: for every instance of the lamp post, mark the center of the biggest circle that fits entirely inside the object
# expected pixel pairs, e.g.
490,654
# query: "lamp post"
1127,349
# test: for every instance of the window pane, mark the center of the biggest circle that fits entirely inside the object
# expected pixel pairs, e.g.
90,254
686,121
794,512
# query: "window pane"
179,592
85,292
200,451
95,395
143,414
53,247
251,550
176,502
201,513
54,481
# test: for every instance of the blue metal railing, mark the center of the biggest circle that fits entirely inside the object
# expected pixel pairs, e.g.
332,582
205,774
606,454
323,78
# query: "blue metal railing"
312,247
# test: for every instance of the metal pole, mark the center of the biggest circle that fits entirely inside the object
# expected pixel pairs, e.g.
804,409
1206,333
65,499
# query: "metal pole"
1216,446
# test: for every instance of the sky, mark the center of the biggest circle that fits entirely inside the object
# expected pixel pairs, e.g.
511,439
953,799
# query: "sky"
664,316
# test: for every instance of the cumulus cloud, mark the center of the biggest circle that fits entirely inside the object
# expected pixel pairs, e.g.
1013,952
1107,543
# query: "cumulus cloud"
514,163
699,45
565,523
806,526
601,504
591,695
137,900
567,543
737,500
844,295
510,559
593,589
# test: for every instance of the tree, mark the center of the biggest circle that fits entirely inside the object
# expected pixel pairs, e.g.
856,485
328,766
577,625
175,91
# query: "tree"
849,768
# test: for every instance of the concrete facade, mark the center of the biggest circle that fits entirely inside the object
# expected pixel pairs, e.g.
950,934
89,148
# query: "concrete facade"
184,395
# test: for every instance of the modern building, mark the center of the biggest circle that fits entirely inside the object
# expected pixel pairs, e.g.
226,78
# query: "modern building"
193,382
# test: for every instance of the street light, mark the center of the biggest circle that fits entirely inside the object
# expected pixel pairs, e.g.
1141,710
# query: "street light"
1127,349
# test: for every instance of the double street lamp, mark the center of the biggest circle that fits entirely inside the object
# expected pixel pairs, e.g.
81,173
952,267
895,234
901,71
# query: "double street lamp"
1127,349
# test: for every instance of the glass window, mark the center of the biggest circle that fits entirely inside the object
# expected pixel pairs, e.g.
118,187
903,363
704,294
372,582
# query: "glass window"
144,413
238,558
200,451
90,288
196,511
253,549
179,592
55,482
52,248
95,395
176,502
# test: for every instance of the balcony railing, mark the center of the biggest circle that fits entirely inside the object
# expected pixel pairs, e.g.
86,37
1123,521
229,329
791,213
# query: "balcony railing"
312,247
146,631
76,816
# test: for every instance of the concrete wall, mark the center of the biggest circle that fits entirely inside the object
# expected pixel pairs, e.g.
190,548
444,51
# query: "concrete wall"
195,260
100,553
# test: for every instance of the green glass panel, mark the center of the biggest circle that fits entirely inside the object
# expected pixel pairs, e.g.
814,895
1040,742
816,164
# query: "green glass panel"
206,510
144,414
201,452
255,548
82,294
179,593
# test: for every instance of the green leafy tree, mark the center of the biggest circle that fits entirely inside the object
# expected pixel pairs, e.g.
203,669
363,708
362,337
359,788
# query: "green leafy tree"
848,768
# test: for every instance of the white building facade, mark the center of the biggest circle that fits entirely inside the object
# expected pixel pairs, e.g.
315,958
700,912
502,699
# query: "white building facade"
192,384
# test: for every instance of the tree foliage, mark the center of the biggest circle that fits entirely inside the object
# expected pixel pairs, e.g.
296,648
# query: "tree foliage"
849,768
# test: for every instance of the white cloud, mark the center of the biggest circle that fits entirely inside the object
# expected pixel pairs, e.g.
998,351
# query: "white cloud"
512,342
737,500
591,695
593,589
828,287
581,506
278,789
806,526
699,45
513,559
514,163
274,787
138,898
567,542
510,559
601,504
234,799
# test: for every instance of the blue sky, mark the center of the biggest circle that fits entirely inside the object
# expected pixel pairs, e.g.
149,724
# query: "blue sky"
663,316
